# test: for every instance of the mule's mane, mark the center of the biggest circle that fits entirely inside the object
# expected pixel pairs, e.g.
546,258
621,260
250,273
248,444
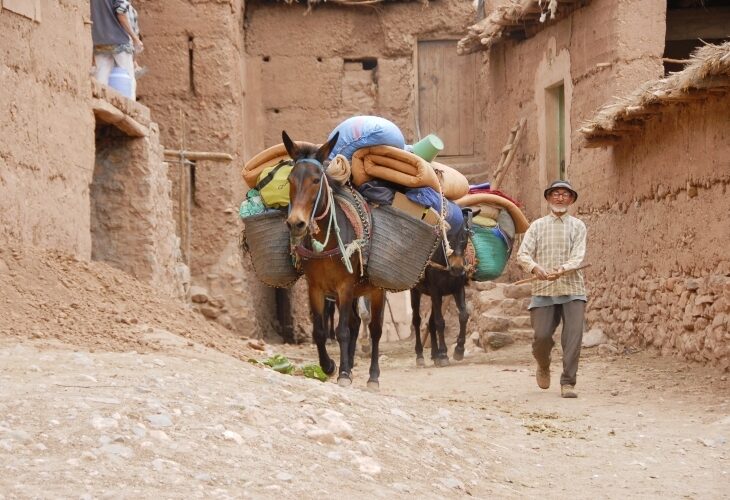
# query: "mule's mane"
307,151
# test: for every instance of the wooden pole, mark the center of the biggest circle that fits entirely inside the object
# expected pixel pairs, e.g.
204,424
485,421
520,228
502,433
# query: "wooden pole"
535,278
181,155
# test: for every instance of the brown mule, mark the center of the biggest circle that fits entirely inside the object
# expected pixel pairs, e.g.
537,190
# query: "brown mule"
311,200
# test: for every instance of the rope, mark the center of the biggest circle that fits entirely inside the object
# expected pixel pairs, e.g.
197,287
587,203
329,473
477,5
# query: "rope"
447,247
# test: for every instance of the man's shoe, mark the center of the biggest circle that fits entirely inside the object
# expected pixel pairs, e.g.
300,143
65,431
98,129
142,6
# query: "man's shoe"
568,391
543,377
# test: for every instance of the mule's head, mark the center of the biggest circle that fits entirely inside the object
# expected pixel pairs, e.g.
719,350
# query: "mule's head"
305,183
458,242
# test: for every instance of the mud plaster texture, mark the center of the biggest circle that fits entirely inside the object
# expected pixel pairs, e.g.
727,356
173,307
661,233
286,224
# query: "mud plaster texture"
195,90
131,224
46,165
654,205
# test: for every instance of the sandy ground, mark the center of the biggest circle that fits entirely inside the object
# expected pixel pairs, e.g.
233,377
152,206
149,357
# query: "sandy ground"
190,421
108,391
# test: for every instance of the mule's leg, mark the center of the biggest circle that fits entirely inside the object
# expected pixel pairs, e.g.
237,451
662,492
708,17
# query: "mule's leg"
354,333
319,330
442,358
343,334
377,310
460,299
416,322
329,318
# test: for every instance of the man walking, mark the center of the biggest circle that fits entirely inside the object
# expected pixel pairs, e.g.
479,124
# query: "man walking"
553,246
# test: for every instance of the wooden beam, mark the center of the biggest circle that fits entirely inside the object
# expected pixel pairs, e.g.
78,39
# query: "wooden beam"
197,155
108,113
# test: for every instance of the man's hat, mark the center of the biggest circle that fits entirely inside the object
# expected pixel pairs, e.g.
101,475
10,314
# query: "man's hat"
561,184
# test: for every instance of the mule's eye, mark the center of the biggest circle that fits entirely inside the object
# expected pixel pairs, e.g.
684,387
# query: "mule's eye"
316,181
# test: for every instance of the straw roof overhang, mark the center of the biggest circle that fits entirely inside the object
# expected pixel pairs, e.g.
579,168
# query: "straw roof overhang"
706,75
518,19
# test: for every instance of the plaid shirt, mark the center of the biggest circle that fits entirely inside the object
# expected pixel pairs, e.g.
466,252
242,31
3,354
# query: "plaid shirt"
554,242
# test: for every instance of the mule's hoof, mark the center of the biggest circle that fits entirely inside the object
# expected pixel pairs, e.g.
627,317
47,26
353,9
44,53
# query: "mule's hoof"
344,381
458,354
331,369
441,362
420,362
373,385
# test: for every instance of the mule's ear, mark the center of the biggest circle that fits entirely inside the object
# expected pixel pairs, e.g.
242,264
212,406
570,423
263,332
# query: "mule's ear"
324,151
476,212
290,146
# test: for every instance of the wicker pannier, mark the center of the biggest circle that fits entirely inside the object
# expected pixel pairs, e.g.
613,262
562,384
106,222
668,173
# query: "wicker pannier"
266,238
400,249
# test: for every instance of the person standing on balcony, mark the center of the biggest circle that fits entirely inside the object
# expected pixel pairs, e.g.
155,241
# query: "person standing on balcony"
553,246
115,41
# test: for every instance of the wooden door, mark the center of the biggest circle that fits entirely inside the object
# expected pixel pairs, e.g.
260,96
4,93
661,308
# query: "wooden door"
446,96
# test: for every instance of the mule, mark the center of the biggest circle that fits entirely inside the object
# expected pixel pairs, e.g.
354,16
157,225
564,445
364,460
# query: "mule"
317,242
444,276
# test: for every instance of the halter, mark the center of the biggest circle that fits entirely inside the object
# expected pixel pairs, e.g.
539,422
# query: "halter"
318,247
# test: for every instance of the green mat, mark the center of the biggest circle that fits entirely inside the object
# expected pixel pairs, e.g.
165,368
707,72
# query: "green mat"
492,252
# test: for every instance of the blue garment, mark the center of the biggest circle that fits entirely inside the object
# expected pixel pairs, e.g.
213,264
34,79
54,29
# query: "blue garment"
544,300
363,131
428,197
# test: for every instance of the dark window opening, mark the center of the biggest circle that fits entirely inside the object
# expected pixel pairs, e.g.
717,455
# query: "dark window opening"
266,58
368,63
692,24
191,65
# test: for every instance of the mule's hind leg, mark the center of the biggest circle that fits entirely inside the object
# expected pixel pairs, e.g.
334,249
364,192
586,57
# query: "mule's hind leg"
319,330
377,309
416,322
460,299
438,326
354,332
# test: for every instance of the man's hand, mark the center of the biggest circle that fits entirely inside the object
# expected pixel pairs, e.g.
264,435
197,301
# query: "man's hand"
540,273
557,273
138,45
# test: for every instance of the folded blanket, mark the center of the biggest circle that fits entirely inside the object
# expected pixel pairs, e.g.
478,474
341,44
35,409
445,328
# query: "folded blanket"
266,158
407,170
472,200
392,164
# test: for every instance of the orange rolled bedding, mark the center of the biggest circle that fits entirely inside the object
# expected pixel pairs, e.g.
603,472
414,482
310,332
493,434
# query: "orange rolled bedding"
266,158
472,200
453,182
394,165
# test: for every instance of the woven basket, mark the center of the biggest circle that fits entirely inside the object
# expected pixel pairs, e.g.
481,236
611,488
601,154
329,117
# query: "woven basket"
400,249
491,251
266,238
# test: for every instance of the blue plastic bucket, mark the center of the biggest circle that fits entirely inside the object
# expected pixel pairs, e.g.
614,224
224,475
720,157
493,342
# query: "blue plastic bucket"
120,81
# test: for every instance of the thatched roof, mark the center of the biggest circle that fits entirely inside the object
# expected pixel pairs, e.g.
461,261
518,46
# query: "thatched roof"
517,19
707,74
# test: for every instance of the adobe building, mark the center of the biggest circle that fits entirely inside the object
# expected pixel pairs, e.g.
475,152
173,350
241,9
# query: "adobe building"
646,149
81,167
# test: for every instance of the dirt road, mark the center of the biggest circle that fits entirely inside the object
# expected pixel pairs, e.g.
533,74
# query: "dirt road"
188,421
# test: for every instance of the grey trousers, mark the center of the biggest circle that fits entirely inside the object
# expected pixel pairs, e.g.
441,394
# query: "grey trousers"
544,321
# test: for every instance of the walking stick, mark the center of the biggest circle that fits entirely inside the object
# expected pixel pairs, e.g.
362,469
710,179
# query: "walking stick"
535,278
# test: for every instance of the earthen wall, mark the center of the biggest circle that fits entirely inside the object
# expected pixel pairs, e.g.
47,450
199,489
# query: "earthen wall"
47,127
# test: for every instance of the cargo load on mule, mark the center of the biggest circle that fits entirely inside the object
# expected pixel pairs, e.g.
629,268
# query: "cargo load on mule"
408,222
